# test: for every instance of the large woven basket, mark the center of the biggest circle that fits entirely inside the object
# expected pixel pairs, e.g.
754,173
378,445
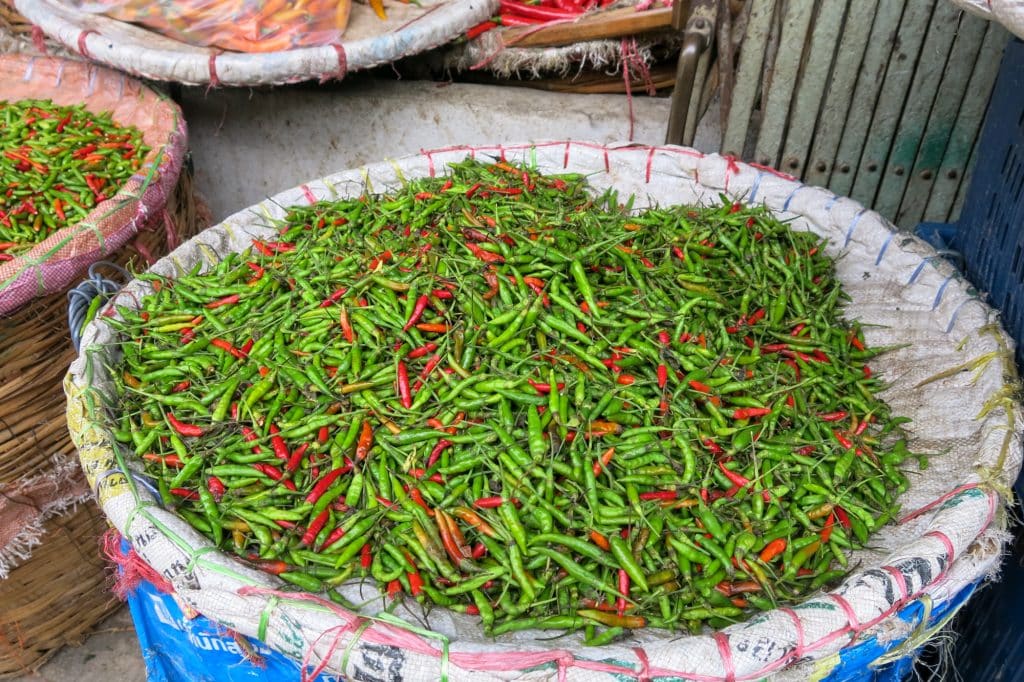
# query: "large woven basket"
952,375
409,29
57,596
154,211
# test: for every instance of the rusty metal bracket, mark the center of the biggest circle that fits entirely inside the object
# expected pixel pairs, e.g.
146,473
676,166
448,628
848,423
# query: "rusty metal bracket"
696,21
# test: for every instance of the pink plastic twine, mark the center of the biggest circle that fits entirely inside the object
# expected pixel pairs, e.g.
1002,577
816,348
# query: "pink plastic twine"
133,570
37,39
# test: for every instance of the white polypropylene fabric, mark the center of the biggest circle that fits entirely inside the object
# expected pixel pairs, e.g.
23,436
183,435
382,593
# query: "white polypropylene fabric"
409,29
955,379
1009,13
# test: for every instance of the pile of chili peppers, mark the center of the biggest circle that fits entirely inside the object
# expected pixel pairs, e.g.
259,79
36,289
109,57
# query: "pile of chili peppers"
523,13
59,162
495,393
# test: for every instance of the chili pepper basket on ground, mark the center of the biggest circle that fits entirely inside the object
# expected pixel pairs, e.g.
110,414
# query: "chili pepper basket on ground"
56,219
928,549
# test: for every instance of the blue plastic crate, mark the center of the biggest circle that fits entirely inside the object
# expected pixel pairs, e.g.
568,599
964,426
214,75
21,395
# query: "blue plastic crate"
989,240
989,233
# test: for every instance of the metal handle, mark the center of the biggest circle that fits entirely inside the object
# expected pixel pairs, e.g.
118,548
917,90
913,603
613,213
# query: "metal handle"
696,38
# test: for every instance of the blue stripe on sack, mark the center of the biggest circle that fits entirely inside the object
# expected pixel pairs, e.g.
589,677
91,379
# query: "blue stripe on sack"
755,187
854,662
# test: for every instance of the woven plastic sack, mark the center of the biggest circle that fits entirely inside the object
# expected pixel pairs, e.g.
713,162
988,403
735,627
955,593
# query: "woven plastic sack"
239,25
410,28
58,261
955,380
1009,13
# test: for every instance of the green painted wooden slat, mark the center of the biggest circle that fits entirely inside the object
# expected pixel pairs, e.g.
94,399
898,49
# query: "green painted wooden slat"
961,191
807,102
869,85
748,76
783,79
693,109
829,129
953,169
932,149
897,83
920,100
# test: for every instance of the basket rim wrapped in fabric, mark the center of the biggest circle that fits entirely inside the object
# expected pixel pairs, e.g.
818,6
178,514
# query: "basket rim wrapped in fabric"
145,53
948,538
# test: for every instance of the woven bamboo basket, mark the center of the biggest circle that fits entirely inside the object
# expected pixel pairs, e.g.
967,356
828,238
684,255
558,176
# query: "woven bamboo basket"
35,351
57,596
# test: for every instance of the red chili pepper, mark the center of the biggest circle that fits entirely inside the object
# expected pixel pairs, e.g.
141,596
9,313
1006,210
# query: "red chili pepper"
442,294
227,300
394,589
268,470
736,479
417,497
603,461
346,326
181,386
415,583
323,435
856,342
324,483
432,327
861,428
417,312
332,537
620,602
277,444
295,461
365,441
472,190
314,528
544,389
843,440
479,552
844,520
662,376
421,351
749,412
659,495
431,365
216,487
228,347
485,256
404,393
172,461
797,329
334,297
773,549
365,558
188,430
714,447
435,454
625,379
600,540
698,386
826,532
755,317
790,401
834,416
867,372
494,502
184,493
247,432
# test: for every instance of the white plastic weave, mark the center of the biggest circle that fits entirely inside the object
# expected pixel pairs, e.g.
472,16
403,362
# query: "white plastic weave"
1009,13
950,533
